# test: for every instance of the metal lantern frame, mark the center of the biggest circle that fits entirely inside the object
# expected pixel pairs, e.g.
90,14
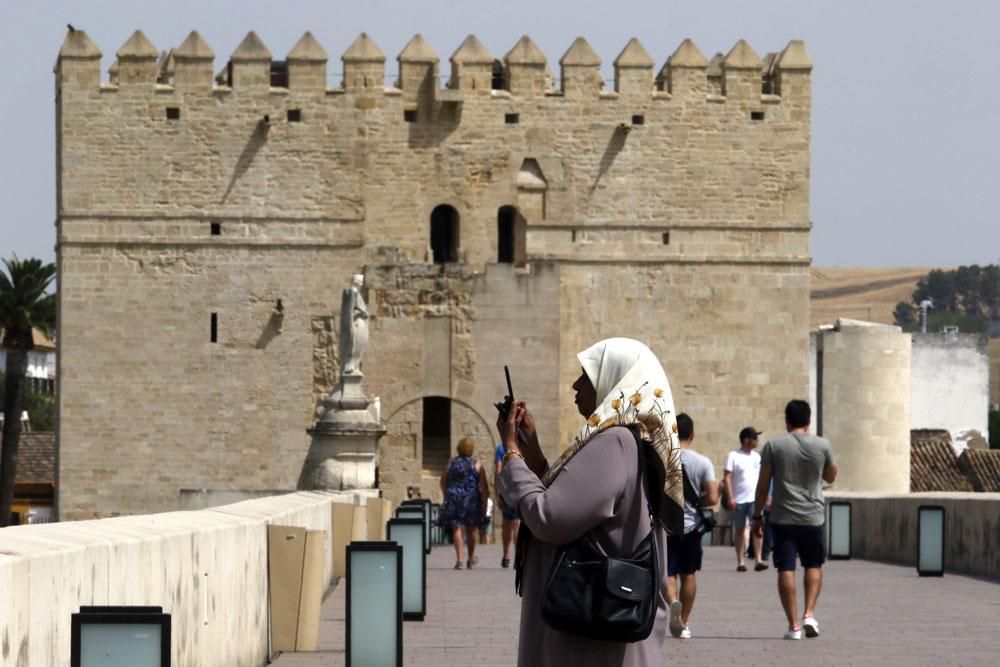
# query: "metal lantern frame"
418,511
421,564
921,511
834,505
375,547
425,505
119,615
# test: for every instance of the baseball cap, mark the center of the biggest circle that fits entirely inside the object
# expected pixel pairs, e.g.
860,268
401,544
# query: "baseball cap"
749,432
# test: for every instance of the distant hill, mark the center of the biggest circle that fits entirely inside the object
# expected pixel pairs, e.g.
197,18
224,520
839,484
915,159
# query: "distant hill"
860,294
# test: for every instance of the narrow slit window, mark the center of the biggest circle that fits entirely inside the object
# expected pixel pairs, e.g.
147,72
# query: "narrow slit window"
757,116
215,228
638,119
410,115
213,334
512,118
666,238
572,235
173,113
295,115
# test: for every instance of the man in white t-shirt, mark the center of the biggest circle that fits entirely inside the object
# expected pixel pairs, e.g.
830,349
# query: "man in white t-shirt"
740,482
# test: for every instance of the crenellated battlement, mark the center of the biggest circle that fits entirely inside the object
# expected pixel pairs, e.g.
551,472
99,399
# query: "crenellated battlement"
212,204
474,74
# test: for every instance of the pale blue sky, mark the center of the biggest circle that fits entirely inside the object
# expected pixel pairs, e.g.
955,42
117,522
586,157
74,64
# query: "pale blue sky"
906,145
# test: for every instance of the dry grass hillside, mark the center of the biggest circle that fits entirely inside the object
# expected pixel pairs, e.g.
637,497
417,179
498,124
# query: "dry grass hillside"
860,294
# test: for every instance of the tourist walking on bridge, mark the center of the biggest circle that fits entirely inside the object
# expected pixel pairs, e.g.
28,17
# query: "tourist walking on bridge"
739,478
594,491
799,464
684,551
465,494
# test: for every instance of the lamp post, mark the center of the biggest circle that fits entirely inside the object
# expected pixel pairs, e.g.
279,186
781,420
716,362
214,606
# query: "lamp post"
374,604
930,541
120,637
425,505
437,535
422,512
409,534
840,530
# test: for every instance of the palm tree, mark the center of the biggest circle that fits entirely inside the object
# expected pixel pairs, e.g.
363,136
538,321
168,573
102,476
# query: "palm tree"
24,306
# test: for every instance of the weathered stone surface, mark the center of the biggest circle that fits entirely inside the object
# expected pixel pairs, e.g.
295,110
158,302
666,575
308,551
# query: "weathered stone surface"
691,233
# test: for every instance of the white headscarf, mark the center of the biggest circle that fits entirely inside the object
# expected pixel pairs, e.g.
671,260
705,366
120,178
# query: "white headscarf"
632,390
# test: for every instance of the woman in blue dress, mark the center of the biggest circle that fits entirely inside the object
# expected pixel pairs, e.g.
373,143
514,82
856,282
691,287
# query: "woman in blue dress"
465,494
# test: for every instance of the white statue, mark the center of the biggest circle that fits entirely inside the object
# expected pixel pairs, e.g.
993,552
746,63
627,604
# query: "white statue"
353,327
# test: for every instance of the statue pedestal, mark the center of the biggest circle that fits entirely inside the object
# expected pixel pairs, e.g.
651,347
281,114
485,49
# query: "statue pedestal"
344,441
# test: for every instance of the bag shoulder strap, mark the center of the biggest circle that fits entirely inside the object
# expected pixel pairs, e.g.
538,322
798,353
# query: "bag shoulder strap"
691,494
642,478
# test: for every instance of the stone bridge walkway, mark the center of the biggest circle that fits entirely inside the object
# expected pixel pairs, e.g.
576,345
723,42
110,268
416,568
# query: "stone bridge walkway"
869,613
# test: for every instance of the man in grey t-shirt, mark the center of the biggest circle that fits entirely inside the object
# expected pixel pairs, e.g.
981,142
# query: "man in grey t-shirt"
684,551
799,463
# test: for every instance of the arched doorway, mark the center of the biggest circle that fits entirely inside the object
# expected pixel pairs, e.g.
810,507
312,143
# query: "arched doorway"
444,234
436,434
505,234
511,230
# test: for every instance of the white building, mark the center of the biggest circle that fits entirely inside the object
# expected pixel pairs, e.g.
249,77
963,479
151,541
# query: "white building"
41,371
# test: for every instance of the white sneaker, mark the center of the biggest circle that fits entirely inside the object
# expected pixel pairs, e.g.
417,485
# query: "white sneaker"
810,626
676,627
685,633
794,634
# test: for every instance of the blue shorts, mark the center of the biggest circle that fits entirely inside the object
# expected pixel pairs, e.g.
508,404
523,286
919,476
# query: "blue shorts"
742,512
507,513
684,554
808,542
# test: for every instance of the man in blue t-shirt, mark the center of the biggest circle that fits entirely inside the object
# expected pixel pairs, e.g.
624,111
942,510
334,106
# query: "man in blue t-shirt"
799,463
509,521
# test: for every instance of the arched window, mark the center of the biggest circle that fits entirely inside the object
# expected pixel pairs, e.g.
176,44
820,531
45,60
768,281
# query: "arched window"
505,234
436,432
444,234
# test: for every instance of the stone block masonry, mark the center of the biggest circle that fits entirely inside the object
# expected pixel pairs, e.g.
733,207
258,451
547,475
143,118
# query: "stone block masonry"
672,207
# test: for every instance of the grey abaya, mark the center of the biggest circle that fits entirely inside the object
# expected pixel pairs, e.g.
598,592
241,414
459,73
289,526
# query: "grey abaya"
594,491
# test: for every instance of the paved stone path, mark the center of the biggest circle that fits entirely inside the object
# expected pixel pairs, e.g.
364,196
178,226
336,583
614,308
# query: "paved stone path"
869,613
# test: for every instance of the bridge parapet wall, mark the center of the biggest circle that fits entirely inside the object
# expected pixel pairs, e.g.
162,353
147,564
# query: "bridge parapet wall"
208,569
884,528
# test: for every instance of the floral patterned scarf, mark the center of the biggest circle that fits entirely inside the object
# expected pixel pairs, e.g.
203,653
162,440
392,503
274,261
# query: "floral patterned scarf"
633,391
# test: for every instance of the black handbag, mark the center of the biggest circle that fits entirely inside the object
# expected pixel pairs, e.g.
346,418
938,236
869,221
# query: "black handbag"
591,595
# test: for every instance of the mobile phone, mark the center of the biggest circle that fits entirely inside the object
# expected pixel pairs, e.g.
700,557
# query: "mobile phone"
504,406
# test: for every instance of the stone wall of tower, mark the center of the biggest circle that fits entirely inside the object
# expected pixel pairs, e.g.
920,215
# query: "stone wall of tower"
660,211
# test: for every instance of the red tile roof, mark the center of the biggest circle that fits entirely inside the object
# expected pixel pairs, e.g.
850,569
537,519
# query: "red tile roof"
36,458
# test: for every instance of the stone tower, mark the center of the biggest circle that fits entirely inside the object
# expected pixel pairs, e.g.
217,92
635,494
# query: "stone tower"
500,215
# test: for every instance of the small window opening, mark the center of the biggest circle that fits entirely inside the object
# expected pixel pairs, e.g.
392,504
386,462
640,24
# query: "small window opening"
505,235
638,119
444,234
295,115
572,236
279,74
512,118
436,432
216,228
499,80
213,334
173,113
410,115
756,115
666,238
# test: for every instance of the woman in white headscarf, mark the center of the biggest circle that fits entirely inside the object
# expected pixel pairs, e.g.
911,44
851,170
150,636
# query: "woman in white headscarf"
592,488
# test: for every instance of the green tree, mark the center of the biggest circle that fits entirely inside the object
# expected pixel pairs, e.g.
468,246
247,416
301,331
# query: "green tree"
40,406
24,306
967,297
903,314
